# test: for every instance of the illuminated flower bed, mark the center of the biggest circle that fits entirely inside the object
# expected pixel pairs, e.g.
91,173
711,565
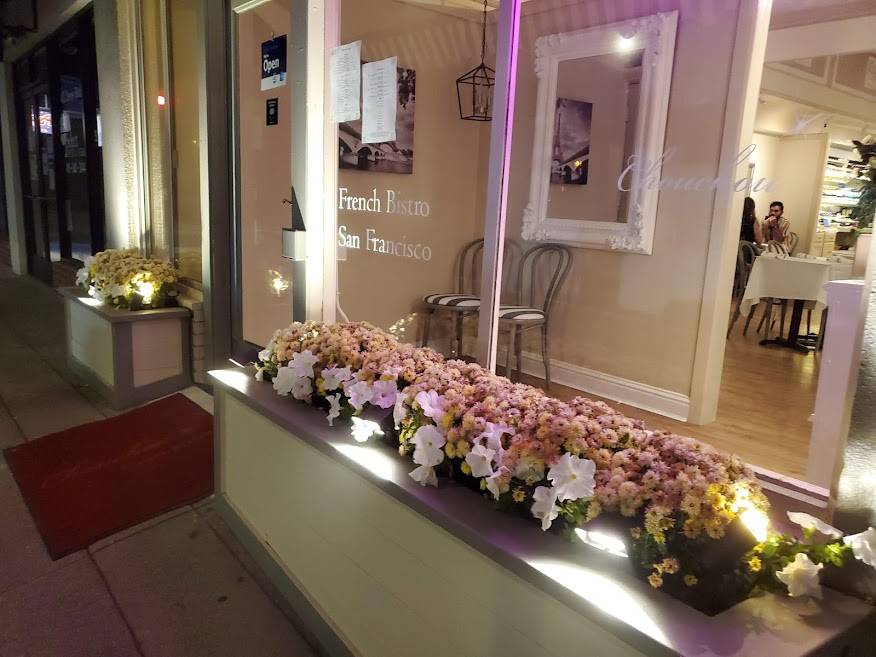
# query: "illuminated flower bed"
692,520
127,280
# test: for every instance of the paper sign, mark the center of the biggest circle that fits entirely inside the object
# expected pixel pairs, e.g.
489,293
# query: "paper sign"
346,65
274,63
271,111
379,100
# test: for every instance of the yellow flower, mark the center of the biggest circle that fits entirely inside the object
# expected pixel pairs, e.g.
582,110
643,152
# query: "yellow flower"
655,580
450,450
483,484
466,469
690,580
518,495
462,448
636,532
670,566
755,564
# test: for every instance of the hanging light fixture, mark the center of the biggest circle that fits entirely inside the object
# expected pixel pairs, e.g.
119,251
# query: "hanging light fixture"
475,88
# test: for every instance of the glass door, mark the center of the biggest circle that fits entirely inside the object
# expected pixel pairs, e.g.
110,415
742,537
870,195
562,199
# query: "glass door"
38,182
262,124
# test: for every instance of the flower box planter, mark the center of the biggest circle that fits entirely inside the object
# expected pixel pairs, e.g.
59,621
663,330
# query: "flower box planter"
130,357
378,566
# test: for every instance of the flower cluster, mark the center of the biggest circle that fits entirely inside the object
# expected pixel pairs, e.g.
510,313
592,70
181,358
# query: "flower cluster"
551,459
125,279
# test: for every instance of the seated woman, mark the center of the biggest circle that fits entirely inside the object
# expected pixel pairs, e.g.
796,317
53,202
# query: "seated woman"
750,231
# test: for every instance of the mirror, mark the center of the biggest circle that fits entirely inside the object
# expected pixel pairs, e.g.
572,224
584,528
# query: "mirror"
603,94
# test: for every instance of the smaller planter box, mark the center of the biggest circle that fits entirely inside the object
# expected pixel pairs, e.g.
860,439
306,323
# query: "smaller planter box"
130,357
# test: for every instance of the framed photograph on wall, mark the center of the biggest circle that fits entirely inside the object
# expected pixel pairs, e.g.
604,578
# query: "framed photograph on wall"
570,156
391,156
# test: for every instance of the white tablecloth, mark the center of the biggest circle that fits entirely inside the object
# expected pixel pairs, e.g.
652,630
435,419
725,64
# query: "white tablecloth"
790,278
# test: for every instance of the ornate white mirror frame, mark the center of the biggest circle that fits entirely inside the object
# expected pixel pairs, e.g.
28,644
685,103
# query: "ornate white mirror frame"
655,36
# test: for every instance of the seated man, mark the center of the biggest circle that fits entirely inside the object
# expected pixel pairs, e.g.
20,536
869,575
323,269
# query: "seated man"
775,226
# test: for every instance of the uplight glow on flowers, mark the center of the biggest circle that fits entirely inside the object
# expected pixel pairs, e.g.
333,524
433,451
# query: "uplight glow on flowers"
125,279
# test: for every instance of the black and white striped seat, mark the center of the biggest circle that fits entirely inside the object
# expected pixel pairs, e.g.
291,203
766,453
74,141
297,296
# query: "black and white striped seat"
453,300
520,314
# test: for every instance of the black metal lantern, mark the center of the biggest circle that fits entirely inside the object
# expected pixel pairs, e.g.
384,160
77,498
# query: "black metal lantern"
475,88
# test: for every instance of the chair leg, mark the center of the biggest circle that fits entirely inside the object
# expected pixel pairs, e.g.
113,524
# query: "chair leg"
767,317
748,319
782,320
511,333
518,354
546,356
736,314
426,325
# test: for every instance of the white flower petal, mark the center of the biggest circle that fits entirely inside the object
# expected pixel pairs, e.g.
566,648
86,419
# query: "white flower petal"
801,577
806,521
863,546
424,475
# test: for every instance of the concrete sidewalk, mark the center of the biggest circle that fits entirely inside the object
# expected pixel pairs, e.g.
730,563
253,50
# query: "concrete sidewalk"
179,585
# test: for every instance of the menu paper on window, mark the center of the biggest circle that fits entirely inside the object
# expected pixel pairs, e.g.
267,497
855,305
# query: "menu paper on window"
379,100
346,80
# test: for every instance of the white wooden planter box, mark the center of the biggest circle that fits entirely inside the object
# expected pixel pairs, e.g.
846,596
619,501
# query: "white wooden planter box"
130,357
378,566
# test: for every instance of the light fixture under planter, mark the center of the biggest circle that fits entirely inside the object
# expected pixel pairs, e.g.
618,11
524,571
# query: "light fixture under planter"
474,89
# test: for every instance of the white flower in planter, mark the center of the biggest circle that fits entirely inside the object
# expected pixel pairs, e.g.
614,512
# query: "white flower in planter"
302,386
260,374
428,442
863,546
334,377
399,411
363,429
432,404
285,381
359,393
384,393
493,435
82,276
480,460
806,521
545,506
265,354
573,477
497,483
302,363
424,475
334,408
801,577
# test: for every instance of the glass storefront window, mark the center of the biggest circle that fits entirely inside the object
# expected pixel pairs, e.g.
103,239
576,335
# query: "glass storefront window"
408,207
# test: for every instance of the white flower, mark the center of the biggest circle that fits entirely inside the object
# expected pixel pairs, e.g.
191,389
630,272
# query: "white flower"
801,577
428,442
363,429
82,276
266,353
573,477
285,381
116,291
260,374
302,363
480,460
545,506
400,411
493,435
497,483
424,475
384,393
359,393
432,404
301,387
334,377
334,408
806,521
863,546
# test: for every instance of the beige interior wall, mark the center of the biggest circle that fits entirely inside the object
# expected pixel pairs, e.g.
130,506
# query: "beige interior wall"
628,315
449,162
766,166
184,28
265,178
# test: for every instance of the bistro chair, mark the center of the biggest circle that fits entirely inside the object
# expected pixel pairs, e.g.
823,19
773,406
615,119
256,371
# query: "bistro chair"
795,239
466,300
774,246
548,264
745,256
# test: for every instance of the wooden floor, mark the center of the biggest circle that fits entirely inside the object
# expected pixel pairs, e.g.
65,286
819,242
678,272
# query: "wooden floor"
767,396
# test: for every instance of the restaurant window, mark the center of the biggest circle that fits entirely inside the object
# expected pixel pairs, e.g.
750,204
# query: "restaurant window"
412,174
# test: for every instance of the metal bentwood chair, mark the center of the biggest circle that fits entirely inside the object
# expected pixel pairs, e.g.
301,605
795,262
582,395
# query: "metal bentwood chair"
544,268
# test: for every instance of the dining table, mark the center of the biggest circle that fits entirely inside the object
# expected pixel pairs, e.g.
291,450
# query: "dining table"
801,279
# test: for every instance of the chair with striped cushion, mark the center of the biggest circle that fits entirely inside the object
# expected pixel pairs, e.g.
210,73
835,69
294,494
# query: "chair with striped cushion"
543,269
465,301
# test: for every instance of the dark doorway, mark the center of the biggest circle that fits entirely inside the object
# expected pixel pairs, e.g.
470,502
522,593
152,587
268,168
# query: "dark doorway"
60,146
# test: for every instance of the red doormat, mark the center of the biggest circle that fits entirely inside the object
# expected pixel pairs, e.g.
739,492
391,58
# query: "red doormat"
94,480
